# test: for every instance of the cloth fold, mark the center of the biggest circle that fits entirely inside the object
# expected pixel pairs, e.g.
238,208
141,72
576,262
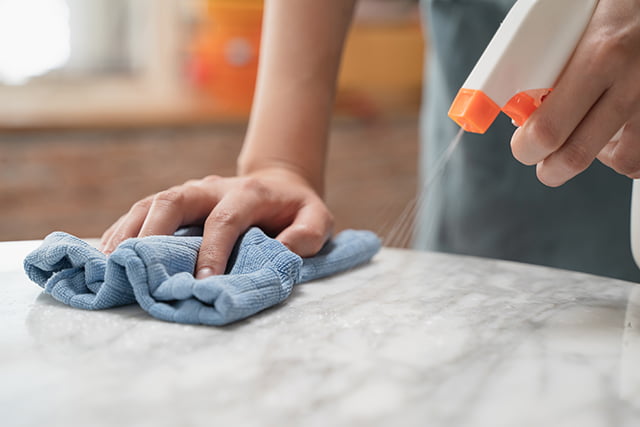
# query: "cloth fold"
157,273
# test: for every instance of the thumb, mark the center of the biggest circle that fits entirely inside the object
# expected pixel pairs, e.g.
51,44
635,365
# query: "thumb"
309,231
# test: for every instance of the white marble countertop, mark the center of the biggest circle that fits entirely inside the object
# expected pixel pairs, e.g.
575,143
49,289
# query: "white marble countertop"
413,339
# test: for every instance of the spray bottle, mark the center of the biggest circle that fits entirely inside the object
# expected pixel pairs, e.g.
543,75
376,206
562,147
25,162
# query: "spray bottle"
520,67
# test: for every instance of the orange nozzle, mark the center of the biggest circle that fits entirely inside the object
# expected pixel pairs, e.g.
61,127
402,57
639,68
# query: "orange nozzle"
473,110
522,105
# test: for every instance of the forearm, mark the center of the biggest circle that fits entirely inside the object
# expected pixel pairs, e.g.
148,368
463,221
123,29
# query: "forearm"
300,56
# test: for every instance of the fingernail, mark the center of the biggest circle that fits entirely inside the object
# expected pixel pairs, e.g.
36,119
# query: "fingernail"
204,272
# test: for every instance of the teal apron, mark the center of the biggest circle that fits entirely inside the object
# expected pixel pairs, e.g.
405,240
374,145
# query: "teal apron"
486,203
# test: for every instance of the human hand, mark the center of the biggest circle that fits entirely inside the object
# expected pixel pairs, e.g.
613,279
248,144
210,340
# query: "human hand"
278,201
597,94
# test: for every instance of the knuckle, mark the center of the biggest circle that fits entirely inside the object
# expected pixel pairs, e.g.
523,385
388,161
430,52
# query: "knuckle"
171,197
622,99
191,183
576,159
543,131
600,62
617,42
625,165
143,204
612,47
224,218
253,185
620,106
211,178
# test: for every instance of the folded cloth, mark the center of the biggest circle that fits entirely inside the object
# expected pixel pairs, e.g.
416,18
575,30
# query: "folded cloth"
157,273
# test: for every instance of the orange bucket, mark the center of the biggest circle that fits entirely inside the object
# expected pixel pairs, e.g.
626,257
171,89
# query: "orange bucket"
228,49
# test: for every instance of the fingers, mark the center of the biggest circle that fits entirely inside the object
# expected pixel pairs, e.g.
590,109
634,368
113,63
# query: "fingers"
178,206
596,94
127,226
309,231
228,207
584,144
164,212
108,233
302,220
623,154
562,111
234,214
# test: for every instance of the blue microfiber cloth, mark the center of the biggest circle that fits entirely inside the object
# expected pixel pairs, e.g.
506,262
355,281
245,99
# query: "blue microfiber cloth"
157,273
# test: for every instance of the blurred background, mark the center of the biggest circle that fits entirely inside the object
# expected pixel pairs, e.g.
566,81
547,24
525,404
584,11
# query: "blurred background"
103,102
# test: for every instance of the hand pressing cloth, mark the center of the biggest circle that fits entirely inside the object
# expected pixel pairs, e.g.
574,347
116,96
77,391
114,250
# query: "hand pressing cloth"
157,273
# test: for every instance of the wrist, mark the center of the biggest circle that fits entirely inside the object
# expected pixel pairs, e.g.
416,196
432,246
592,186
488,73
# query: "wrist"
290,136
281,169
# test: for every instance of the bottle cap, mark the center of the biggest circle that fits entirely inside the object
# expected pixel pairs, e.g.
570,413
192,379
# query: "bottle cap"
473,110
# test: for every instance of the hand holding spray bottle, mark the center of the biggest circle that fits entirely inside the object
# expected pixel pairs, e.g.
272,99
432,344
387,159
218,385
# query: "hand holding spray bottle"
520,67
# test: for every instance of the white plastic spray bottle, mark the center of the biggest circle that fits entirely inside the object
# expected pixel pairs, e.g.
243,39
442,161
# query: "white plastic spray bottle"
520,67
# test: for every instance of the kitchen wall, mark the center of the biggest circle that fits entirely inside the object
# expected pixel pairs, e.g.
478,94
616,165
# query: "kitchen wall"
81,181
76,152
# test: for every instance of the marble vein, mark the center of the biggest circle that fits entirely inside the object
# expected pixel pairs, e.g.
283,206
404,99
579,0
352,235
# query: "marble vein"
413,339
